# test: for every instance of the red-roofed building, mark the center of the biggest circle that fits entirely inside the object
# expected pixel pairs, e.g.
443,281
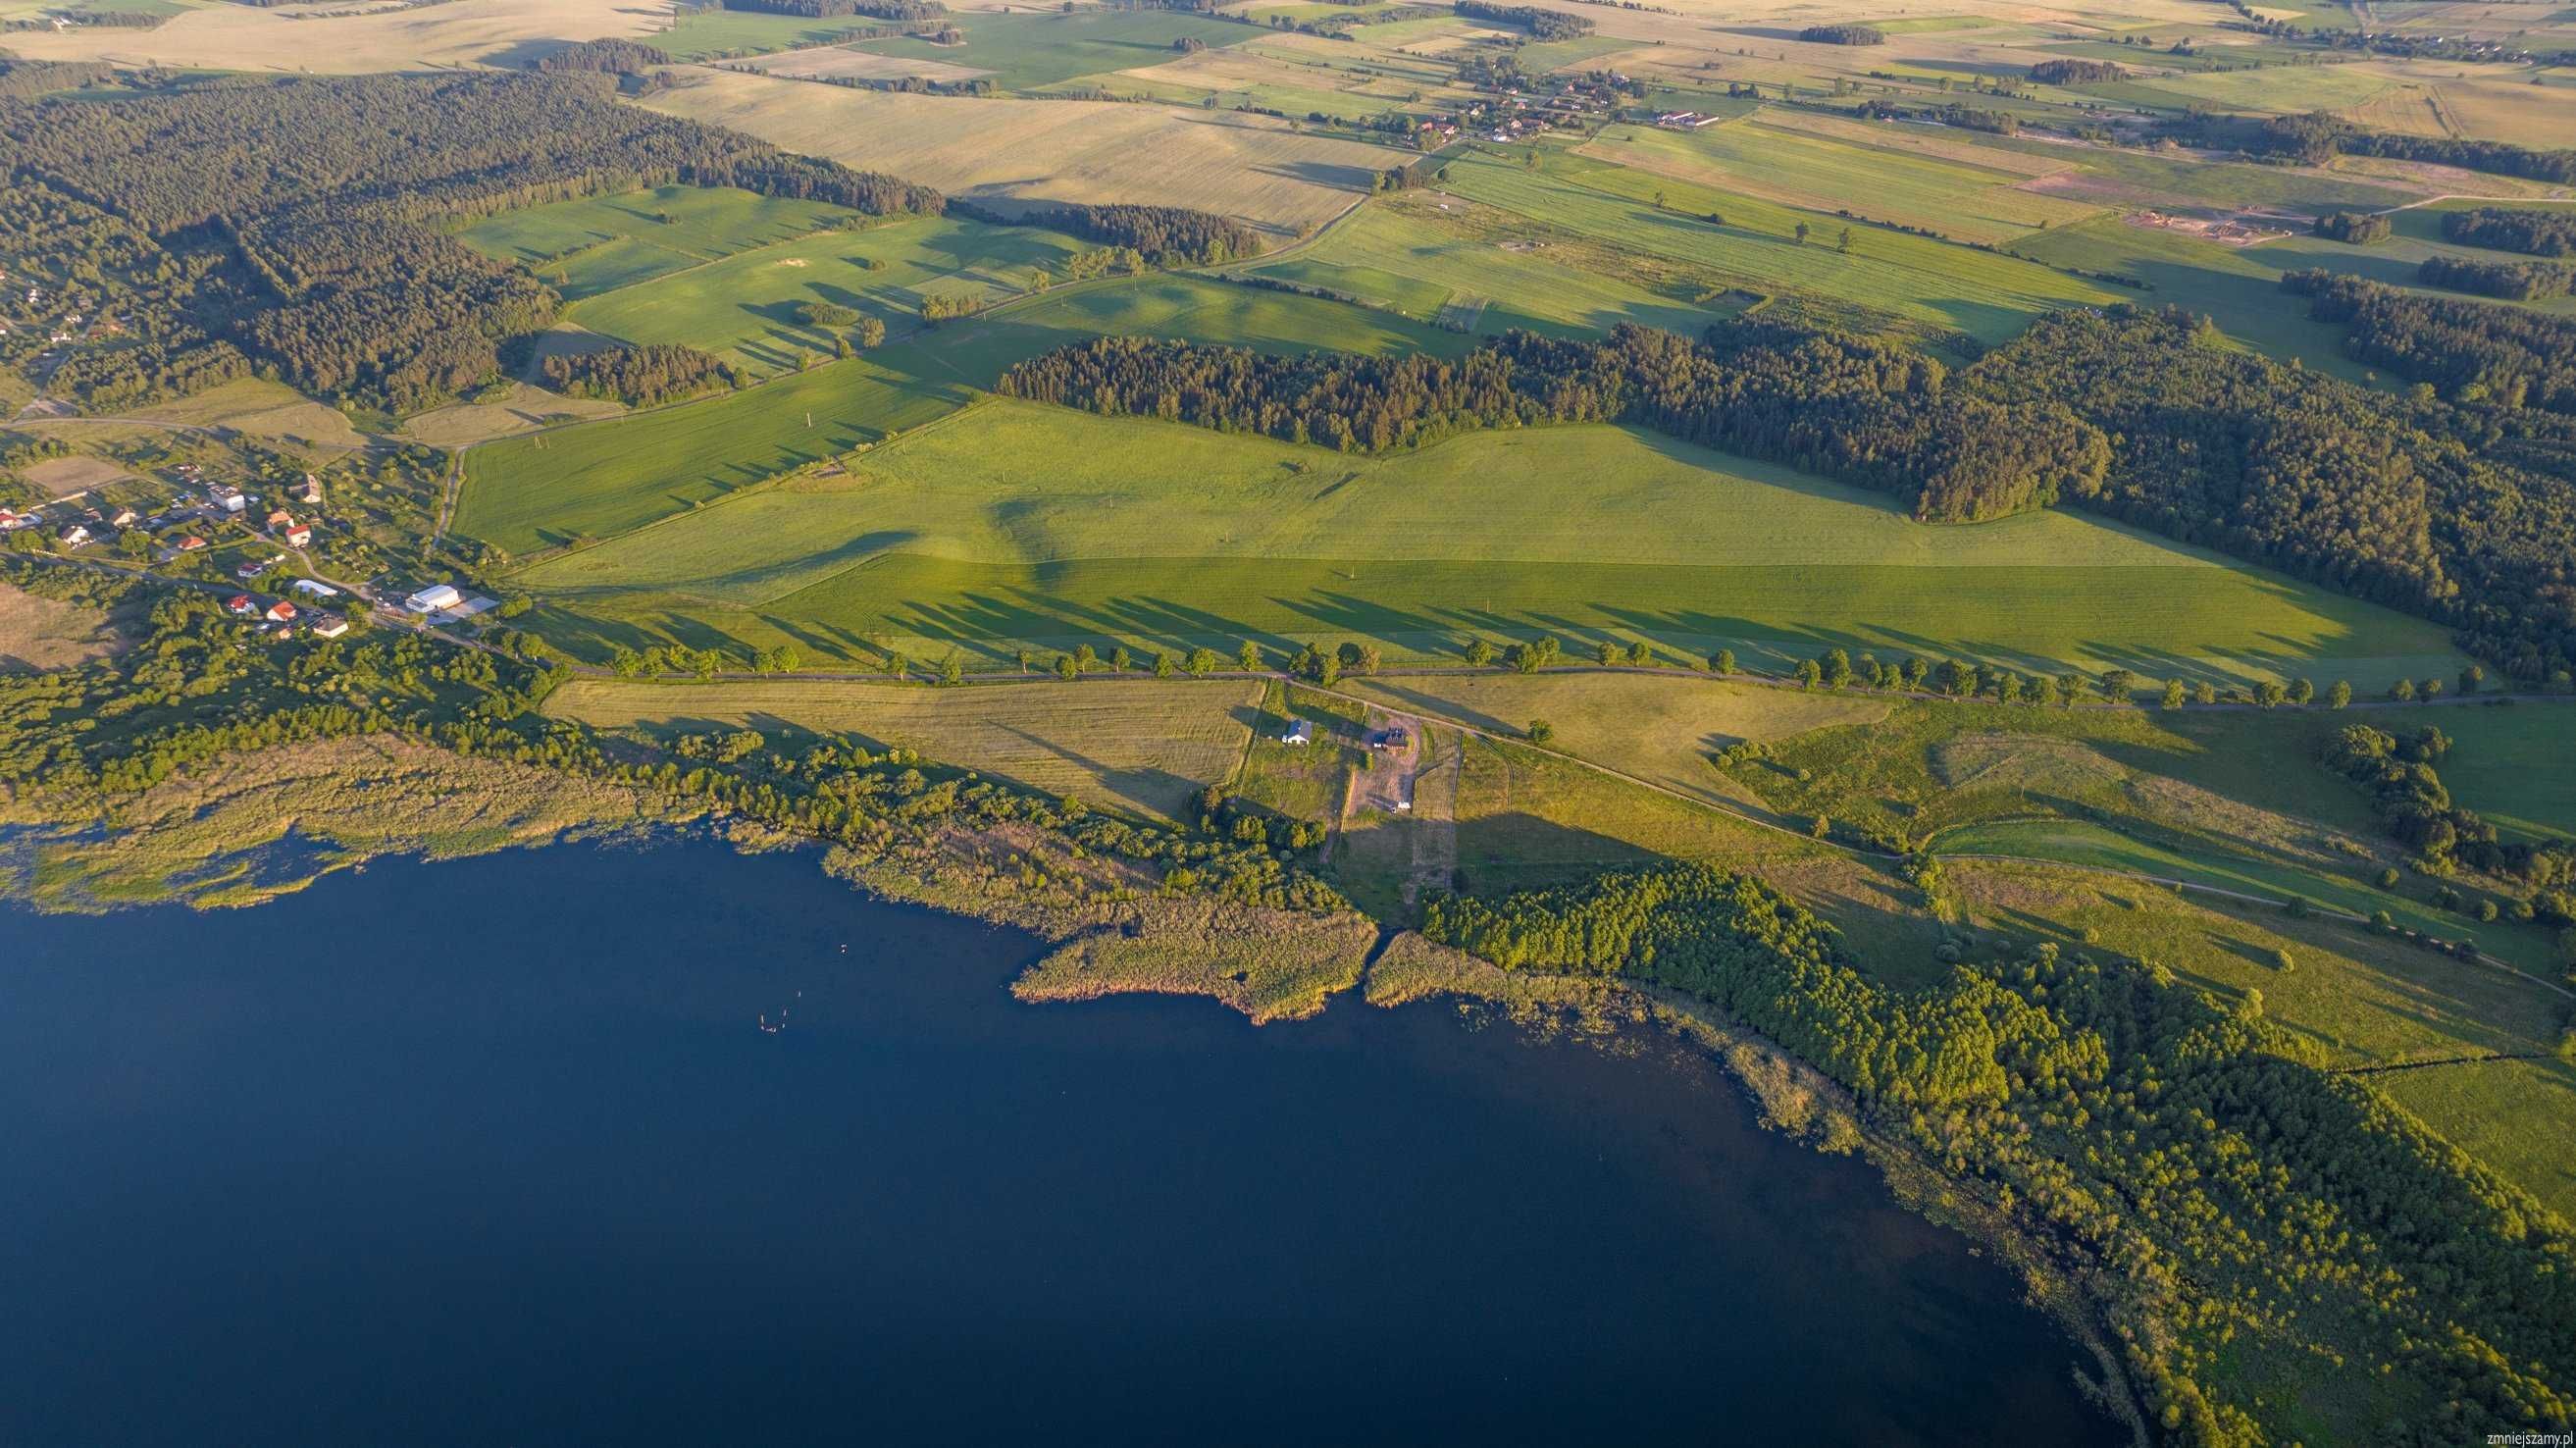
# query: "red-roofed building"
281,612
298,536
241,603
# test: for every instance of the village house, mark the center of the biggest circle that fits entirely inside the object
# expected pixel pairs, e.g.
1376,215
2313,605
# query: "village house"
191,544
281,612
125,518
279,518
316,588
241,603
1299,733
73,535
298,536
329,625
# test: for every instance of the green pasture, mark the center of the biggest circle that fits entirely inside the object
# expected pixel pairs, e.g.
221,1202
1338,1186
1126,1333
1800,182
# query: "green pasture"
615,241
1019,524
1954,198
2281,89
744,306
1403,258
2078,842
1886,276
2516,1116
1027,50
2510,763
1540,57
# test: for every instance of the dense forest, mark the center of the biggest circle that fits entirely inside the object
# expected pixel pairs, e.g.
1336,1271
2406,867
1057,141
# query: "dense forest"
2464,515
301,224
610,57
1864,412
2077,72
646,376
2238,1201
1541,23
2516,281
2360,228
1163,235
2507,228
2472,352
1843,35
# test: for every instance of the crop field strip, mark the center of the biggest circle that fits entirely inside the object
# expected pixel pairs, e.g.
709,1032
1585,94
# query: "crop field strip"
588,247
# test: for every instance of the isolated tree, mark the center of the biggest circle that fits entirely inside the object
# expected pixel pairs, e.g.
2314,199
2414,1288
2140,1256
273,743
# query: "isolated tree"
1120,661
2205,693
1641,653
1203,662
1164,668
2471,678
1722,662
1823,827
2176,692
2302,692
2340,696
1801,230
1541,731
2119,686
1609,652
1249,656
952,669
2271,694
1066,668
1844,244
870,332
1480,652
1809,674
1837,669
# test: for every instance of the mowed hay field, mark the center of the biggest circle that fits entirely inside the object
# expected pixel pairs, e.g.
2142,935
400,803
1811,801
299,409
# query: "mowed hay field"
1046,150
246,37
1139,746
1661,728
1015,523
744,307
1886,279
587,247
604,478
1420,254
1796,166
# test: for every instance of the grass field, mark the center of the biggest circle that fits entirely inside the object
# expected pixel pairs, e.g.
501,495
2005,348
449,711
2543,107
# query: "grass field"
743,307
1053,150
39,633
603,478
1796,166
2510,765
1415,257
1659,729
1144,747
1887,278
252,38
1028,49
2076,842
1169,535
587,247
713,32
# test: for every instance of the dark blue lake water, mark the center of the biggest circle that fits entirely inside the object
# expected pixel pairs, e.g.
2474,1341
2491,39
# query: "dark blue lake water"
497,1152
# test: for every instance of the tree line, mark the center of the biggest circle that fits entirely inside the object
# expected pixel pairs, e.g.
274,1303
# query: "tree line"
1864,412
2319,136
2077,72
301,227
612,56
2510,228
2218,1187
2412,804
1843,35
832,9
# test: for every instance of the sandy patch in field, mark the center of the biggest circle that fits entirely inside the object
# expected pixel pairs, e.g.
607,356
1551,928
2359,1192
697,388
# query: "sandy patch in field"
61,477
1246,166
245,37
831,62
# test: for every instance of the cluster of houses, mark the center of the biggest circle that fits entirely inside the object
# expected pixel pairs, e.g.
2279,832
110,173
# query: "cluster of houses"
1684,120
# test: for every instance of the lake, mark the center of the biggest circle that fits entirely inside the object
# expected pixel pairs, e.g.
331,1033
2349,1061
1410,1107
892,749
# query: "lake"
499,1151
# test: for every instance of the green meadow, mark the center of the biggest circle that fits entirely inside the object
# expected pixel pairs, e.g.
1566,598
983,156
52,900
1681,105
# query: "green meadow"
588,247
744,306
1406,259
1956,198
1017,524
1886,277
600,479
710,32
1028,50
